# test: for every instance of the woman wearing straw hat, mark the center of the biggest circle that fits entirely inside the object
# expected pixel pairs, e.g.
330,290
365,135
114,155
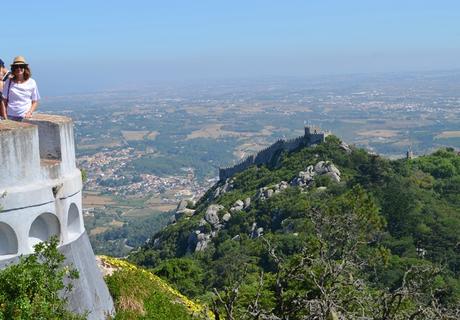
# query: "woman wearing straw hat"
20,93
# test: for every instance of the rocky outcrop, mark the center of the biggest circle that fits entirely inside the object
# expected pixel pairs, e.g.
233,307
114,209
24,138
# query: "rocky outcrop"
345,147
305,178
267,192
226,217
198,241
237,206
256,232
280,186
202,242
182,205
226,187
247,202
182,210
211,216
217,217
329,169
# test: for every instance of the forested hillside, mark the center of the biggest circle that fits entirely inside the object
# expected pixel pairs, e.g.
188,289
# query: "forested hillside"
329,231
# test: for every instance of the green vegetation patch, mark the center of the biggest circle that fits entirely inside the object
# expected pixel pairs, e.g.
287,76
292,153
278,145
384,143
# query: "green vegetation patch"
139,294
33,288
382,243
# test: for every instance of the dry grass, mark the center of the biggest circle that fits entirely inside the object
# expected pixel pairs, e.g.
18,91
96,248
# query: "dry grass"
98,230
152,135
379,133
247,149
402,143
354,121
99,145
95,200
134,135
143,212
448,134
132,303
215,131
117,224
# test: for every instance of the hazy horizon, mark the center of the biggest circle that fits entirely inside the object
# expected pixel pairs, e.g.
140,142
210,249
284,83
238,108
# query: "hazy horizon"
87,46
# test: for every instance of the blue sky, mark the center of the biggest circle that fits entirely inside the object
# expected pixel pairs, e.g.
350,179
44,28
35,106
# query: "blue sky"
78,46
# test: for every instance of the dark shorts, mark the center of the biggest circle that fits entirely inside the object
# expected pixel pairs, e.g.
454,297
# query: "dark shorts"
19,119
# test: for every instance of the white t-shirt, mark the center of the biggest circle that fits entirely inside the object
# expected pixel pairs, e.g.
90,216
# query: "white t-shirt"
20,96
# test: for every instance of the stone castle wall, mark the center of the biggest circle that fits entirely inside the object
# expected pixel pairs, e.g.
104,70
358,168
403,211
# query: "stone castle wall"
312,136
41,196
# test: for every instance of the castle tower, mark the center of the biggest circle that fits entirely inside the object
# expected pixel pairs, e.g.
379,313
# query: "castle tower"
40,196
314,135
409,154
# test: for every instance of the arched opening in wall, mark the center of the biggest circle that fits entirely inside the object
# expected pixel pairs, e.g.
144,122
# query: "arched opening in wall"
74,228
43,227
8,240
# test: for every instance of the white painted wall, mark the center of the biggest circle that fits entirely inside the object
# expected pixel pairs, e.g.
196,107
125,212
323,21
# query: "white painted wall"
40,186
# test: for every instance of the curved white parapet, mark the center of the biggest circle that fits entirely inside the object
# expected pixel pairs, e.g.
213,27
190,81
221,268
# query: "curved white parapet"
40,196
40,185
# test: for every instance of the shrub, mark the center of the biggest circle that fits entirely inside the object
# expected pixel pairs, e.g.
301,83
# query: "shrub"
33,288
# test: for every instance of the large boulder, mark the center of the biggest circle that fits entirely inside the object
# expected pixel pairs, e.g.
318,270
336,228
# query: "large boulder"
226,217
216,193
303,179
237,206
260,194
226,187
283,185
247,202
268,193
256,232
182,205
321,167
198,241
329,169
345,147
211,215
280,186
333,169
334,176
202,242
188,212
263,194
182,210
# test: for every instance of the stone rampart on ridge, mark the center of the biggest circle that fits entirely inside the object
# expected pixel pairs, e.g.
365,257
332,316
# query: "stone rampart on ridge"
311,136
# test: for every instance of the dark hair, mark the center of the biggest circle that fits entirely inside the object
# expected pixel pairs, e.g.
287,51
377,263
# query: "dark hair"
27,72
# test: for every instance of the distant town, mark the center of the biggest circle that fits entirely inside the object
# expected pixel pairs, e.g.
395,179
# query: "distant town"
105,174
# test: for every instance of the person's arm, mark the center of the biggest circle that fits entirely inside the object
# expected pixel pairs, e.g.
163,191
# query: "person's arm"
32,109
35,96
3,109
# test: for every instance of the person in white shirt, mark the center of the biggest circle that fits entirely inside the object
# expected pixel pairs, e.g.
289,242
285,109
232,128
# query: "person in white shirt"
3,74
20,93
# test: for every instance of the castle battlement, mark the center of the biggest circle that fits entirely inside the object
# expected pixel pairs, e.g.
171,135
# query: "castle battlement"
312,136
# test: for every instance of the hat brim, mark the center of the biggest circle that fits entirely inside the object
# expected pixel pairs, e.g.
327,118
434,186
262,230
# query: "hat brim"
19,64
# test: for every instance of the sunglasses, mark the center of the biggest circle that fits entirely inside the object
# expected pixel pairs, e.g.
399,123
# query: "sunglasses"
23,66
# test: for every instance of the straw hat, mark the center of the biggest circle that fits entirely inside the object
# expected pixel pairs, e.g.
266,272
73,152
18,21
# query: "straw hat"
19,60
